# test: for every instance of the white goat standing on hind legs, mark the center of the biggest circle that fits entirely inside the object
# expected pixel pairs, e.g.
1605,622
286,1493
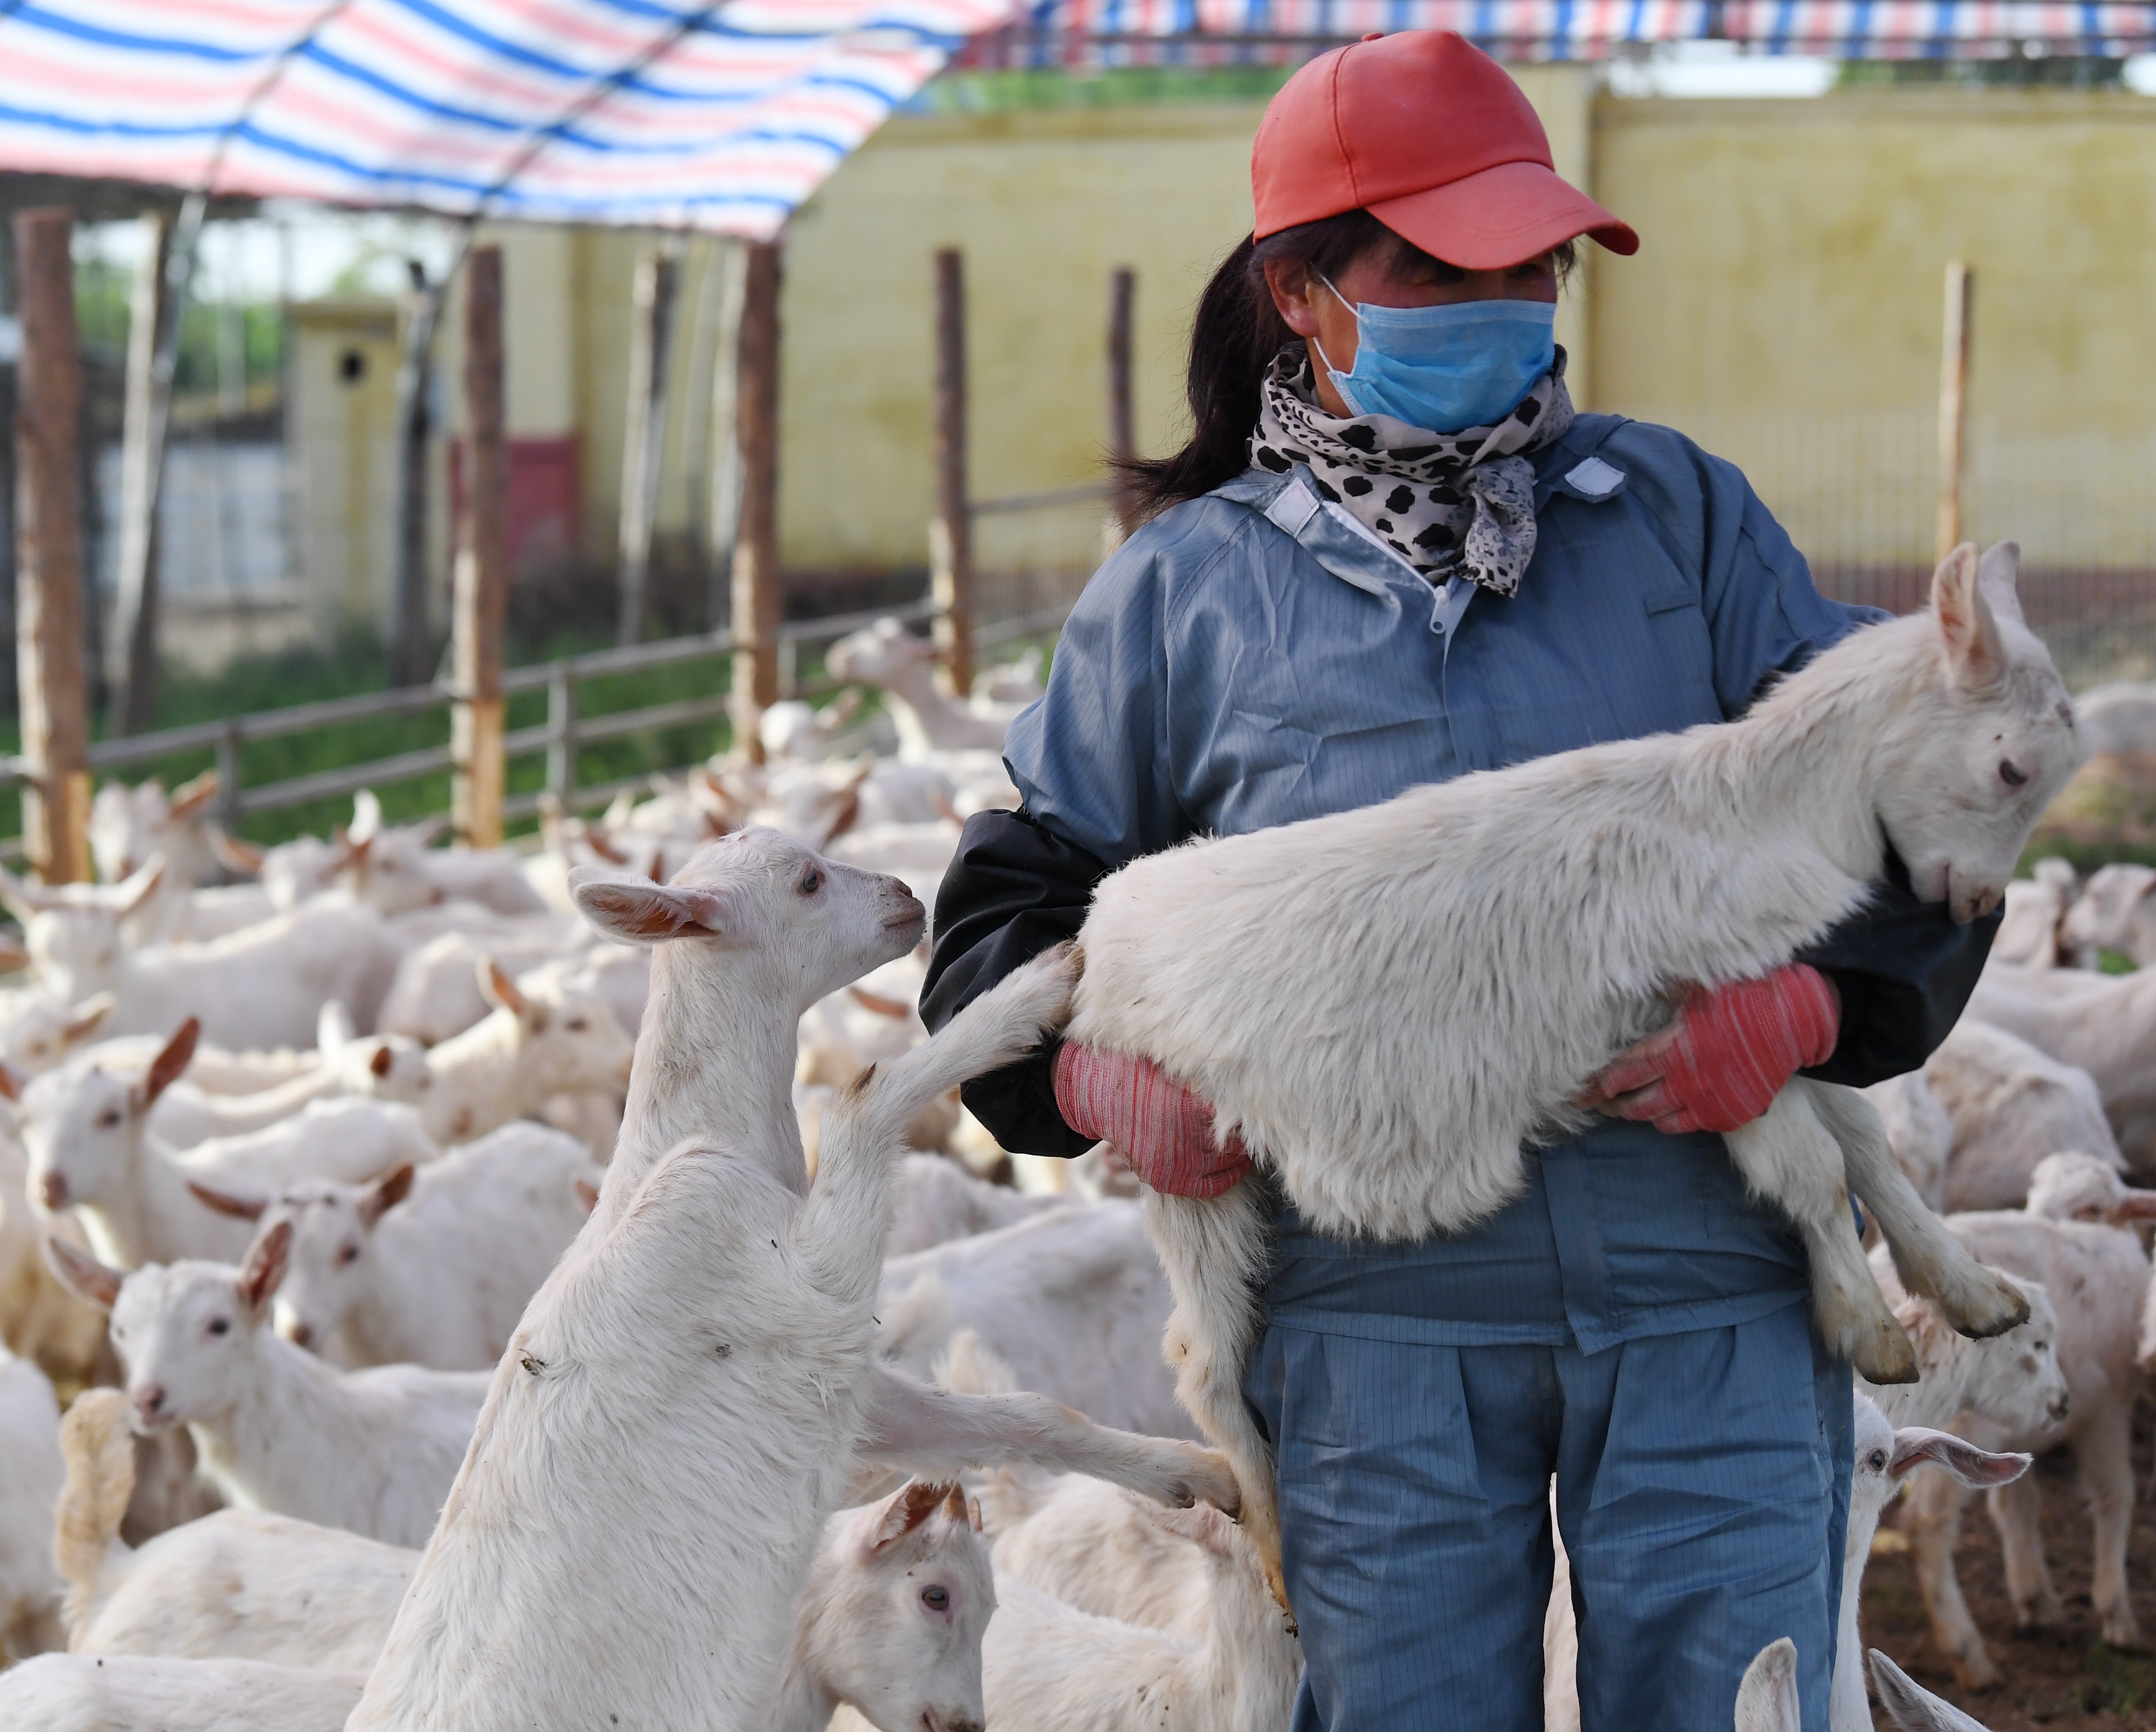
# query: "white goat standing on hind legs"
1540,918
680,1407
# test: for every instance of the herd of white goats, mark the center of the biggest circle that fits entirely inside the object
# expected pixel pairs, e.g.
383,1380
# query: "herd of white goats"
288,1160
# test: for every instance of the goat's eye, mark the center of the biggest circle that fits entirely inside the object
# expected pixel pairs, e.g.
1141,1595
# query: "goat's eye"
1876,1461
220,1326
108,1119
812,880
348,1253
576,1025
936,1598
2011,774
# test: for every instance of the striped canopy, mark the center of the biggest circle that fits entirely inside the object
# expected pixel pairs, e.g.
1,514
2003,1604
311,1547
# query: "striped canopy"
1049,32
654,112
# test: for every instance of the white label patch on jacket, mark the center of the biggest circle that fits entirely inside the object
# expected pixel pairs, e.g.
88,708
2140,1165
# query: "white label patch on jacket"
1595,478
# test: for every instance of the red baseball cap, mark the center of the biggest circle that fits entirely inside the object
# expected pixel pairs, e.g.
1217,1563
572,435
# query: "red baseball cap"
1430,134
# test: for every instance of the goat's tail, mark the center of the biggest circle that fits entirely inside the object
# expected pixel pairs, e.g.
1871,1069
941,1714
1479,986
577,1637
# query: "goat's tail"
1216,1252
99,1448
1009,1491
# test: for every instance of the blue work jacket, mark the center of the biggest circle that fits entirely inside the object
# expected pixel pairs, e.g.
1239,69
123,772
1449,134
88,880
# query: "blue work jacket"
1254,657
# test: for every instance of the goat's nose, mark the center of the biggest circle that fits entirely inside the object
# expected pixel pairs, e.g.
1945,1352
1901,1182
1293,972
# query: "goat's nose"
301,1334
150,1402
52,1190
2059,1408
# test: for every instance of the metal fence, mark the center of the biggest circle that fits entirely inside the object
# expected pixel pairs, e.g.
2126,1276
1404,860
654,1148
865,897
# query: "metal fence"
559,737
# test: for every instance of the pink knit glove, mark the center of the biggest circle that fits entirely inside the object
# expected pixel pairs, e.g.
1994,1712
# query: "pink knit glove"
1724,1059
1163,1130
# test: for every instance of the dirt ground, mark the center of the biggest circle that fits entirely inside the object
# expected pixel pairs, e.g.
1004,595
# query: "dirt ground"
2065,1680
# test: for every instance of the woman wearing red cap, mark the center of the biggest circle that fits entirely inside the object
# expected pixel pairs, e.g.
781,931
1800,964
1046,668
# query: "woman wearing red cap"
1394,553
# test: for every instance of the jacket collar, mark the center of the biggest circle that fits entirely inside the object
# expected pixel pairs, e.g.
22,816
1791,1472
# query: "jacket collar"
1291,504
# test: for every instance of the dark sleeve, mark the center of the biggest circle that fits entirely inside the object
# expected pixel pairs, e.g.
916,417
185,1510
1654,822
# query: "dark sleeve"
1013,890
1904,970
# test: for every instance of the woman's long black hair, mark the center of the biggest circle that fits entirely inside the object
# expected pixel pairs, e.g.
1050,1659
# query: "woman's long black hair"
1234,340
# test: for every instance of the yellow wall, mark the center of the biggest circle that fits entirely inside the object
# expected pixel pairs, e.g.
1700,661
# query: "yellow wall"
1786,306
1784,309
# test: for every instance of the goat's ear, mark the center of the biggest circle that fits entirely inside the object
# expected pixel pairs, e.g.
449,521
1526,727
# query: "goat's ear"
497,989
644,913
179,1053
81,1274
384,1061
87,1018
1976,655
191,799
18,898
230,1203
2134,1205
1766,1699
1997,572
906,1509
11,1085
133,893
1909,1704
386,1193
267,1259
1976,1468
237,856
366,819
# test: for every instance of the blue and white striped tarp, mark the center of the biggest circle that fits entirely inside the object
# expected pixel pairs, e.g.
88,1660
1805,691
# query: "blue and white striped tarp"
628,111
1092,32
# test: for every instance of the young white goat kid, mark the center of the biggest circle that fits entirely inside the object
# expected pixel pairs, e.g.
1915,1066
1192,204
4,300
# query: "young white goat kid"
890,1622
712,1320
1536,920
238,1584
29,1481
426,1267
92,1148
274,1428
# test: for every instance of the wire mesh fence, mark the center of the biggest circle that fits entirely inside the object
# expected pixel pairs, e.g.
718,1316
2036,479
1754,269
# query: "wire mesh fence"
1857,493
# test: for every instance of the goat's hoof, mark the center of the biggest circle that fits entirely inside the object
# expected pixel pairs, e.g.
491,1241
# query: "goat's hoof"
2122,1633
1880,1353
1976,1671
1984,1308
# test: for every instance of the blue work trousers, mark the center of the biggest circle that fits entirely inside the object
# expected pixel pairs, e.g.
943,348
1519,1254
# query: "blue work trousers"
1702,1487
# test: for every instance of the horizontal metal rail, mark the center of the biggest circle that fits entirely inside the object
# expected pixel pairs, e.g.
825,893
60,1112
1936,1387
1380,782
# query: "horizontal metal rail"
1088,494
559,737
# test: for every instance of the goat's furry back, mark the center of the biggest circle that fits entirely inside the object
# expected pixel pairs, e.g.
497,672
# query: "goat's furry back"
99,1446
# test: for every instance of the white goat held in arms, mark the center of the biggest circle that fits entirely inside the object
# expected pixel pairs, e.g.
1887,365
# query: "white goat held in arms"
1388,1004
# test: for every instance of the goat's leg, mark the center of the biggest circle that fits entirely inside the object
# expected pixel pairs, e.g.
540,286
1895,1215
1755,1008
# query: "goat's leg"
936,1433
1933,1524
2102,1453
1929,1259
1790,1158
841,1229
1214,1252
2017,1512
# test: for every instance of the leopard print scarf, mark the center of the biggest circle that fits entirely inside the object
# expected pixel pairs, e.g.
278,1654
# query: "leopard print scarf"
1450,504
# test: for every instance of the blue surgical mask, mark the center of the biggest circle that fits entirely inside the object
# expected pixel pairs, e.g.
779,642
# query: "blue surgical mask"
1445,369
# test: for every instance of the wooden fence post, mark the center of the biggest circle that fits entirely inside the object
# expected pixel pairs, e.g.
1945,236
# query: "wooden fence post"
1122,428
951,530
1953,405
49,554
759,592
650,346
481,579
130,654
409,661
